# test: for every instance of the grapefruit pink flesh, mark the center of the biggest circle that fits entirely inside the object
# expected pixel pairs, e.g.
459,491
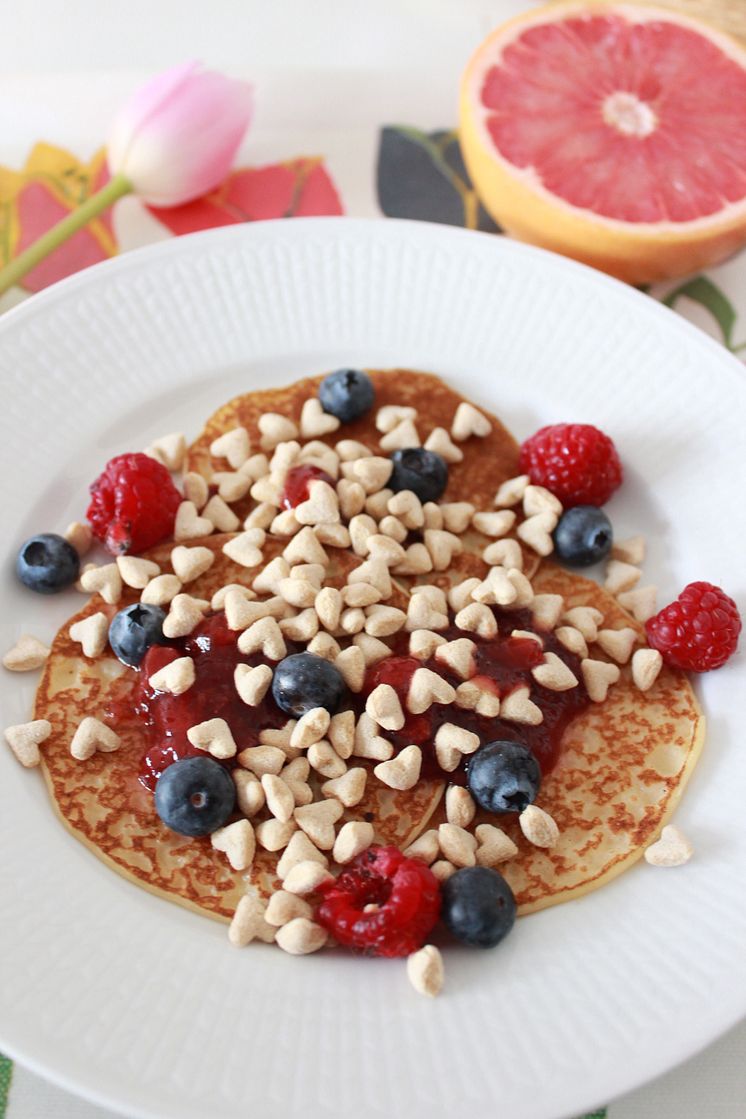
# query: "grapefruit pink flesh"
643,122
612,133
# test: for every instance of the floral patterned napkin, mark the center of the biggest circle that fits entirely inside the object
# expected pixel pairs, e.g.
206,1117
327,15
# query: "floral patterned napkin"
419,174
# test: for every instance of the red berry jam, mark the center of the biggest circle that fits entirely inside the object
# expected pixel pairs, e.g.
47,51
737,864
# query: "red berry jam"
166,718
502,664
396,671
296,484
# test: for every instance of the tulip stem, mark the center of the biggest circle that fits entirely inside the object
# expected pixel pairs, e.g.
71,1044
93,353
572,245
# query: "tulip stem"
54,237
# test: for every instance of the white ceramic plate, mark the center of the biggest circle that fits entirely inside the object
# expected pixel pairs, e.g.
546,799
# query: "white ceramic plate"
143,1006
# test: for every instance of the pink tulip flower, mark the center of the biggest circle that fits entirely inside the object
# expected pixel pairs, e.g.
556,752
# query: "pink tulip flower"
176,137
173,141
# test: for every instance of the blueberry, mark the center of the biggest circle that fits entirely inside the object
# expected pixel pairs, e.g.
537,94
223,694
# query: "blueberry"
304,681
347,394
478,906
503,776
47,563
134,629
583,536
423,472
195,796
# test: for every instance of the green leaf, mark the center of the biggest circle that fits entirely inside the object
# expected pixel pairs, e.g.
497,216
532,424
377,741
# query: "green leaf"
6,1073
701,290
421,175
450,148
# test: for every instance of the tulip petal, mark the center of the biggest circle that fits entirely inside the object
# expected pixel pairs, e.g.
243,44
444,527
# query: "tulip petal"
184,146
140,108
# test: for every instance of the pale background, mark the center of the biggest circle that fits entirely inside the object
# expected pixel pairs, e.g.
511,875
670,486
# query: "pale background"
426,42
40,36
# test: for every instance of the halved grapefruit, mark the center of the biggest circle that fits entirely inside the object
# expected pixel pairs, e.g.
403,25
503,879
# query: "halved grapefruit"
613,133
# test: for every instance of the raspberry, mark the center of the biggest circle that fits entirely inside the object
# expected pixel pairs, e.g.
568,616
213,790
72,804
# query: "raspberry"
133,504
406,892
698,631
577,462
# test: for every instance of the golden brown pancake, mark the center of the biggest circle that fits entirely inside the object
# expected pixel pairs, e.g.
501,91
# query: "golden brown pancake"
622,767
487,462
105,805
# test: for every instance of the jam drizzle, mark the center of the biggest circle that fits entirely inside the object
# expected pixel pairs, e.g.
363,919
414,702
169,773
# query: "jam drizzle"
503,664
297,482
166,718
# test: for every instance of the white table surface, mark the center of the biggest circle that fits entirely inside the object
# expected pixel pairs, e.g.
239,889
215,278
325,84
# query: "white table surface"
74,35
